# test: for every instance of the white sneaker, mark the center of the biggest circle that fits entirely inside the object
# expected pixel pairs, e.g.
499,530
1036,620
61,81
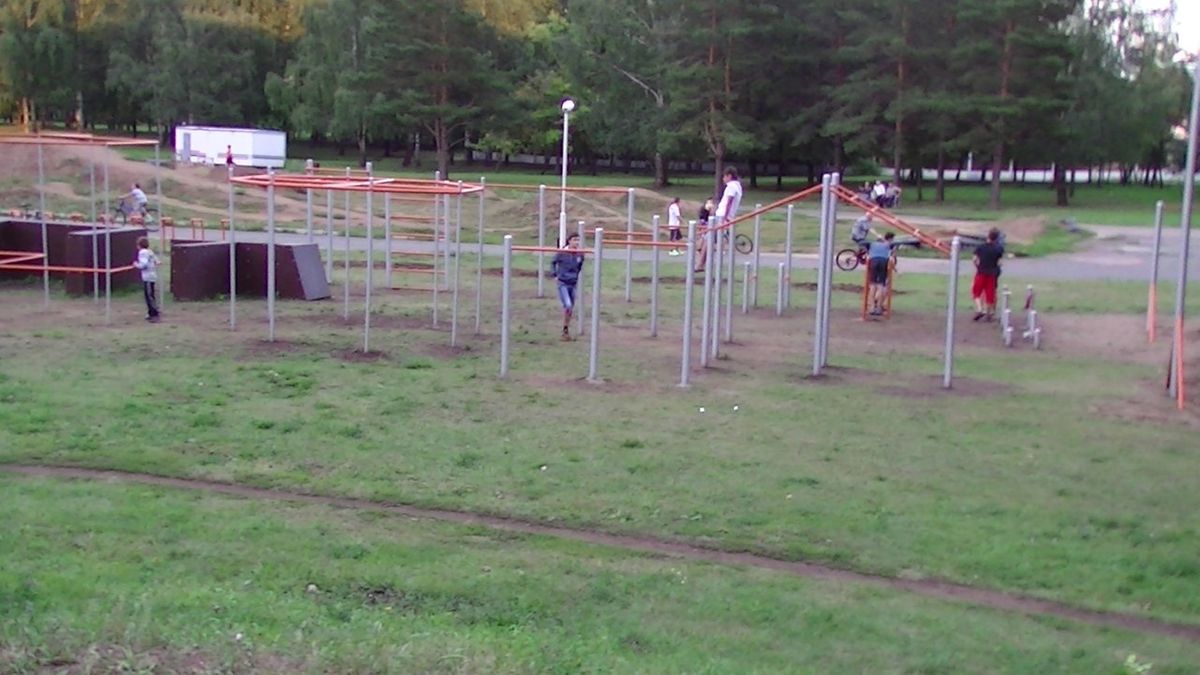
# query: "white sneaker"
673,253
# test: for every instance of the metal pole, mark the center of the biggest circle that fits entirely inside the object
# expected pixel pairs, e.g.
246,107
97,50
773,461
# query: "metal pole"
757,256
715,325
308,214
746,287
107,251
730,273
787,256
457,268
821,261
689,283
1185,228
1152,296
162,245
594,343
437,216
579,300
479,257
951,312
328,235
387,239
370,260
346,244
271,256
706,316
505,301
232,256
45,238
541,233
780,285
654,278
95,239
629,248
562,194
830,238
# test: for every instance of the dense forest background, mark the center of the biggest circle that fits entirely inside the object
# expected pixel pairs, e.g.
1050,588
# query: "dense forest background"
786,85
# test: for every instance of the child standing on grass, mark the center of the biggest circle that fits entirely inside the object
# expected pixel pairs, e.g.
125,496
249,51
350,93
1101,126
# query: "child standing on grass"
147,262
566,268
674,222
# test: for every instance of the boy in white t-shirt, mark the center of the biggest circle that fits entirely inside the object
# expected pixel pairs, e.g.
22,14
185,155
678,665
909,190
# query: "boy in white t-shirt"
731,198
147,262
674,222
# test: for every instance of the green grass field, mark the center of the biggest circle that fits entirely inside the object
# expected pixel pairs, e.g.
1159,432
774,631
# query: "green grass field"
1059,474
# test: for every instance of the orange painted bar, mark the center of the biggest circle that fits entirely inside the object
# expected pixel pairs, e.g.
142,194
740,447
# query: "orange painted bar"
557,188
60,269
550,249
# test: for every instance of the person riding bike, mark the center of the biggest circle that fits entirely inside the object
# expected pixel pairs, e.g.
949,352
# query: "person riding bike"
140,201
861,231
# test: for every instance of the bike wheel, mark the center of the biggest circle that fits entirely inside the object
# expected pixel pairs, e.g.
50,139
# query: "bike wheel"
846,259
743,244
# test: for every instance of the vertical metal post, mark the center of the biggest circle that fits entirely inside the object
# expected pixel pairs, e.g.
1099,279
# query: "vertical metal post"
95,239
746,287
42,219
457,267
828,264
479,256
731,274
232,256
715,324
629,247
541,234
654,277
1152,296
308,215
821,262
780,286
505,301
757,256
706,317
437,217
1185,229
158,203
579,299
446,243
346,243
387,239
951,313
328,235
370,259
594,343
689,284
107,251
271,255
788,243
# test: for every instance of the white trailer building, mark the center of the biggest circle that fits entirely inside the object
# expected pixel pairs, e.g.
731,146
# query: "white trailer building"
261,148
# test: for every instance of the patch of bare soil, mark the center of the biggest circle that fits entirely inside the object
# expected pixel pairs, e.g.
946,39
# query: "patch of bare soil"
121,659
929,587
1016,230
359,356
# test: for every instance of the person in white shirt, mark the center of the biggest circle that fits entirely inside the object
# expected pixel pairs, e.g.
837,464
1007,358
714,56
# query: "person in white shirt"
139,200
674,221
879,192
731,198
147,262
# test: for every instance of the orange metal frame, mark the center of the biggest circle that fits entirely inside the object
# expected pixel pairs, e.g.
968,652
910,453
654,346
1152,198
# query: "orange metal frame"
357,183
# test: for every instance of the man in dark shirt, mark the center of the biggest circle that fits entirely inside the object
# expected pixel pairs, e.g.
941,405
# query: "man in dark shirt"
987,273
566,268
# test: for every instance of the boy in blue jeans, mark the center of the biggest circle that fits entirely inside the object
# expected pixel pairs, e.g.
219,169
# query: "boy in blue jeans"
566,268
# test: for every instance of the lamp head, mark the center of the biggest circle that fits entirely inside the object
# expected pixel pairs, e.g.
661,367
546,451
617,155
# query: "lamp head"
567,105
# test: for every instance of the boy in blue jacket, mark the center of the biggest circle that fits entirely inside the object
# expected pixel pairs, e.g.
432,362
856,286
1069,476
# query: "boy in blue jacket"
566,268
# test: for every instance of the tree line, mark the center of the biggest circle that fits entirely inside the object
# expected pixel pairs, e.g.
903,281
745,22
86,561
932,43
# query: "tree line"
913,84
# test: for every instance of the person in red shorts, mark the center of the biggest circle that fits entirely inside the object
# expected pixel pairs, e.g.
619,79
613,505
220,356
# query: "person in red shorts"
987,274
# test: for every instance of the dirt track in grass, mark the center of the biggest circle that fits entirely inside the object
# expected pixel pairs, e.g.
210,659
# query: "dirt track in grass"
989,598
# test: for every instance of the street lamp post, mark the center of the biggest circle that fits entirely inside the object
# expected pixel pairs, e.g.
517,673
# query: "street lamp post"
567,106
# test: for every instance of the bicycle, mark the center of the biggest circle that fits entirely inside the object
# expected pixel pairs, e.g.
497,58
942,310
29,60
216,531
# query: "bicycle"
741,243
848,259
124,211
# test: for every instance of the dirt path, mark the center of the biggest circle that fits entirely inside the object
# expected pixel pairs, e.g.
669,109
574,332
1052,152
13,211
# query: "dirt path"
933,588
